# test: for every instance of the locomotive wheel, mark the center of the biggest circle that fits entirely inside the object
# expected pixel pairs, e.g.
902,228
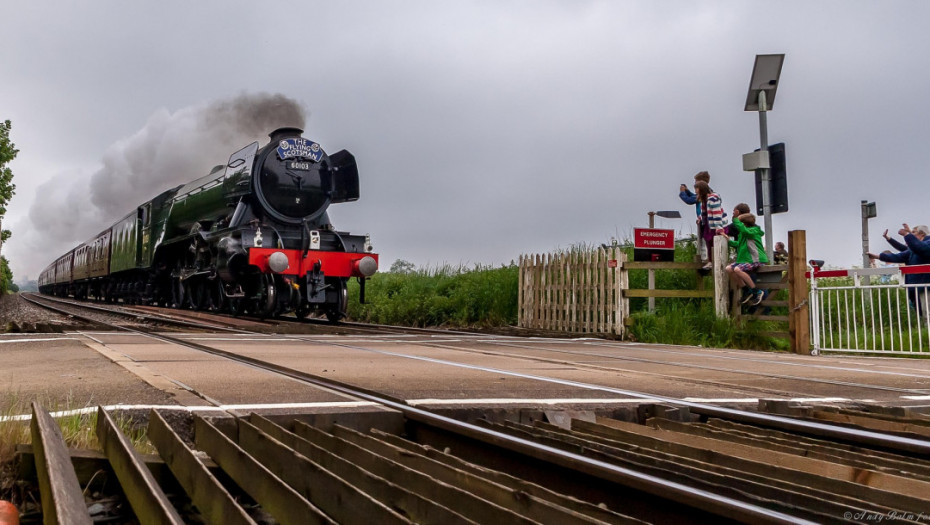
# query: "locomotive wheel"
139,291
177,293
198,295
267,299
337,312
185,299
203,294
219,299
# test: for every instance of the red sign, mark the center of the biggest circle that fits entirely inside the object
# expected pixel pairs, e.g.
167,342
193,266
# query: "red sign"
653,239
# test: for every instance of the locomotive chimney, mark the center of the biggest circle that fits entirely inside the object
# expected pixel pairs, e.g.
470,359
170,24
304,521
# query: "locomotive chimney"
281,133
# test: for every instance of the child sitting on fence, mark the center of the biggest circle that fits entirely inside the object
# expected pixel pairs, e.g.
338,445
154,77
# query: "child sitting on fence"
750,255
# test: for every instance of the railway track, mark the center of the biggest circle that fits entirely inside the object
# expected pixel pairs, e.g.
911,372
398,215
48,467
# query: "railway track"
216,321
116,317
670,461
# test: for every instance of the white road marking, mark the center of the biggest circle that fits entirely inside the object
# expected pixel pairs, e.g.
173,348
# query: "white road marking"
607,401
523,401
40,340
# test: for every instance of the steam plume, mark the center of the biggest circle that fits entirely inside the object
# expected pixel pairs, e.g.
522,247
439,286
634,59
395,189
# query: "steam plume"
171,149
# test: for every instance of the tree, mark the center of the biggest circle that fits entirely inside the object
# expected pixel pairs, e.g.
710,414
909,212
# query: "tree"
402,266
6,277
8,152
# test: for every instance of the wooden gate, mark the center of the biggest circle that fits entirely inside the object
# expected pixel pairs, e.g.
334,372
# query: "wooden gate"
576,292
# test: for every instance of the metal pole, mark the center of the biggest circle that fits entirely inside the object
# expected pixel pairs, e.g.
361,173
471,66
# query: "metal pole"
865,236
766,190
652,273
866,262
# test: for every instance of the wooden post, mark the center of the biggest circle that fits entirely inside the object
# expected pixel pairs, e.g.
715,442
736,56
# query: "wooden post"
798,308
652,286
537,296
721,280
521,288
623,283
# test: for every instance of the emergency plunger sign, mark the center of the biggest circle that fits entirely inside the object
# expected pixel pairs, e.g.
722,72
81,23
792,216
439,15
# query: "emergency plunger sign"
653,244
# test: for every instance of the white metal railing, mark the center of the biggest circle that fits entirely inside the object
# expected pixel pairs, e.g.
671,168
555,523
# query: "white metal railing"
870,310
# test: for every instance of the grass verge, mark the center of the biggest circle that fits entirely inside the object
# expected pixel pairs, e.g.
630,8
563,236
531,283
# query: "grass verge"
442,296
78,427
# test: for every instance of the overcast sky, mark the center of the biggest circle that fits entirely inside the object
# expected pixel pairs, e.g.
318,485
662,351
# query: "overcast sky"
483,130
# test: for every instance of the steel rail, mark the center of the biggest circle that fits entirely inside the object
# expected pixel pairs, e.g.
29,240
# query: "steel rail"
63,312
151,317
156,316
380,328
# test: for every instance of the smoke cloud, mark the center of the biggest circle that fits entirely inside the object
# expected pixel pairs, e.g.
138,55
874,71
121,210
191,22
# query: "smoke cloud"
171,149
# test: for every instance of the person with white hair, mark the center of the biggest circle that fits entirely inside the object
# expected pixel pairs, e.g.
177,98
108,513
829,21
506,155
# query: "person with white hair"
918,252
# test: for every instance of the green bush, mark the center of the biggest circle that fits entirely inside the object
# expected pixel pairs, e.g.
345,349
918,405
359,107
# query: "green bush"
696,323
444,296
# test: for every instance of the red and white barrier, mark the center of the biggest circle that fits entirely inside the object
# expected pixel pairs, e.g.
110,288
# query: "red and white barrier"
853,272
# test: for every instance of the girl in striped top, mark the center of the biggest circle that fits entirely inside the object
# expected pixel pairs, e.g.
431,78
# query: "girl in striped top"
711,217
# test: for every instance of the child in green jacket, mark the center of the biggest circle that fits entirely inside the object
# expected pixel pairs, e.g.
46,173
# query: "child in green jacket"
750,255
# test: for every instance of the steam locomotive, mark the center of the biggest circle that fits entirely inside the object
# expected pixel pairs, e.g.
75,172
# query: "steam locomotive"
253,236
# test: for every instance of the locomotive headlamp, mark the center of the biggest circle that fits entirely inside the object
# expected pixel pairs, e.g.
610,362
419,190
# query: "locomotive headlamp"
277,262
366,266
